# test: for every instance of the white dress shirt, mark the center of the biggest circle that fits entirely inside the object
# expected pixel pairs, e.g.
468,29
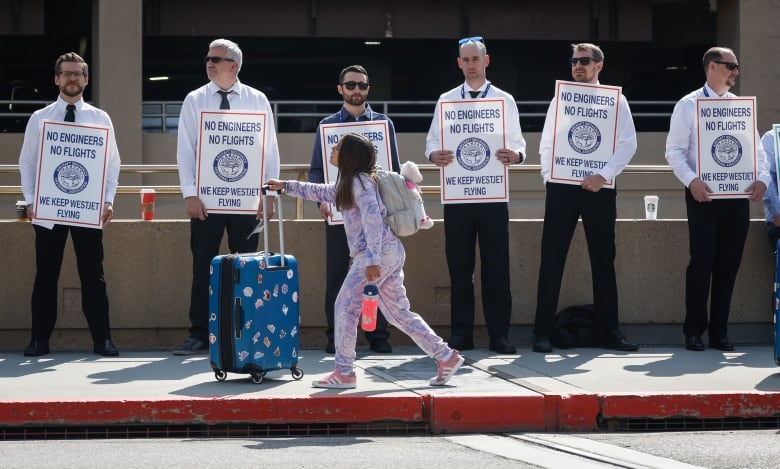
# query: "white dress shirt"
243,98
31,147
514,134
771,197
681,143
624,149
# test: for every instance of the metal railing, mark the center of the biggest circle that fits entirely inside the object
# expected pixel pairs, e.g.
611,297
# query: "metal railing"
303,116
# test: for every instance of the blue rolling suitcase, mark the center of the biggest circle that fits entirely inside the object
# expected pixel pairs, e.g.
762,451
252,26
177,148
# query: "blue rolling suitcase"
254,320
776,304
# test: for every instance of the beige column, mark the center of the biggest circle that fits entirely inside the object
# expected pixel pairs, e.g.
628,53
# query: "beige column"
117,73
750,27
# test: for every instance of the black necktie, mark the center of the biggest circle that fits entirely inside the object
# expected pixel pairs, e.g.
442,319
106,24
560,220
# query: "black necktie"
474,94
225,104
70,114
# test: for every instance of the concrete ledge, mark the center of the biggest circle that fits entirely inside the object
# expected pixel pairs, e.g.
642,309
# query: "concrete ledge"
148,269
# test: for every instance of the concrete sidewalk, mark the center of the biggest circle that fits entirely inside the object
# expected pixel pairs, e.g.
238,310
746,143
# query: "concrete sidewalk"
568,390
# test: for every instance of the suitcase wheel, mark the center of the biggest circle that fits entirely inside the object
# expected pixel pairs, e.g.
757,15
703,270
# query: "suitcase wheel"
257,376
220,375
297,373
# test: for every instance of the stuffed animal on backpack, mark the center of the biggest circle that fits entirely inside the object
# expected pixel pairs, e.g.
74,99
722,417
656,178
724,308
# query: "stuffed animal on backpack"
413,177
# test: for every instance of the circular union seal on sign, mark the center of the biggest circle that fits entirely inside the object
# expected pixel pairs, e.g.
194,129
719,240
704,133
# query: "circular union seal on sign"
726,151
71,177
473,154
230,165
584,137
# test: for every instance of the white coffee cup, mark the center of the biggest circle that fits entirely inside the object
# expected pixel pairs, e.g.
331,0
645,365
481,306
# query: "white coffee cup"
651,207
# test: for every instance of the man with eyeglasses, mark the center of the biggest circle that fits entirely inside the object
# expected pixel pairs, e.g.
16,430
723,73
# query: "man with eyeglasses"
717,227
223,91
71,75
590,199
353,86
486,222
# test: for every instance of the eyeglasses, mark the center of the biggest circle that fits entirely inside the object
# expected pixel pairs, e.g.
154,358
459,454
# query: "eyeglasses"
216,59
350,85
471,39
585,61
70,75
729,65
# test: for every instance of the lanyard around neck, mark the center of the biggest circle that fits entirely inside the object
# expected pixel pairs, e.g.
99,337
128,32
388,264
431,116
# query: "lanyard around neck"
484,93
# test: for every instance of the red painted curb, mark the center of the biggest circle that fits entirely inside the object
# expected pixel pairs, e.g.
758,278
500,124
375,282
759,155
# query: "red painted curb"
444,413
303,410
481,413
701,406
571,412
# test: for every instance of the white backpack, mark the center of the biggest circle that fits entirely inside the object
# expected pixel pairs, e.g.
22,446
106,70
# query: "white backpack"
404,211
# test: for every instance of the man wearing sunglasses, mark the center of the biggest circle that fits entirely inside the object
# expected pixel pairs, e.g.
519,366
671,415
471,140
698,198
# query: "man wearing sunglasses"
596,204
353,86
717,228
223,91
488,222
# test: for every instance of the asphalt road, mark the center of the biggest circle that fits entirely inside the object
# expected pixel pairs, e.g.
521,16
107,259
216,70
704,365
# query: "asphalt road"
671,450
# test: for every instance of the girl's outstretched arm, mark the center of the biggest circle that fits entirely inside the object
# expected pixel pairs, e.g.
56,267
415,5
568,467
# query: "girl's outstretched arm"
305,190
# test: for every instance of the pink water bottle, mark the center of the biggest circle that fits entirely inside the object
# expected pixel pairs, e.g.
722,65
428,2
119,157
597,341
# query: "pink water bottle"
370,304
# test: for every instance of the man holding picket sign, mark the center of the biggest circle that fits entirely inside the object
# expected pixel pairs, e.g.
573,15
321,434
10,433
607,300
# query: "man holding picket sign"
587,140
713,148
226,146
475,134
357,116
69,166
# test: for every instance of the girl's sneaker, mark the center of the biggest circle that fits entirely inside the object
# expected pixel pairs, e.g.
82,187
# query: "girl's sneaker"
336,381
447,369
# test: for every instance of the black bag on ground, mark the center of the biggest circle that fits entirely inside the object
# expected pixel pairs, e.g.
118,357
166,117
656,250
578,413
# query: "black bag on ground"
575,326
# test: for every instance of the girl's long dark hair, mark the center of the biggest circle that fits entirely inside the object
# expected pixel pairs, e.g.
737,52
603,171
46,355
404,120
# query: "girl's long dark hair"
357,155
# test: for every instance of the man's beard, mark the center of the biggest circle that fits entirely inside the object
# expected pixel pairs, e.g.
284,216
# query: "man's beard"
356,99
71,94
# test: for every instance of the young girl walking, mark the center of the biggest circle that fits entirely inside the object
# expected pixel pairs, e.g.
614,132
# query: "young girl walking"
377,257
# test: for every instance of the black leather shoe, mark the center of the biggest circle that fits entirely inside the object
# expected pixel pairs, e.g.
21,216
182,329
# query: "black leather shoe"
381,346
36,348
616,340
721,343
694,342
460,343
330,348
106,348
503,346
542,344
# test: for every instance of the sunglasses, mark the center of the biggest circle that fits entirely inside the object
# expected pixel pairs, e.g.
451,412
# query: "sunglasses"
471,39
216,60
350,85
729,65
583,60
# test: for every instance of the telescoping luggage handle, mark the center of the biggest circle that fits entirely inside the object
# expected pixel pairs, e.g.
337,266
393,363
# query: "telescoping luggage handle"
264,189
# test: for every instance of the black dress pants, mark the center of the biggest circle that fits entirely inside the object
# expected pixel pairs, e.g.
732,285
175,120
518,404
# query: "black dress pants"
464,226
564,204
205,239
337,262
49,251
716,231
